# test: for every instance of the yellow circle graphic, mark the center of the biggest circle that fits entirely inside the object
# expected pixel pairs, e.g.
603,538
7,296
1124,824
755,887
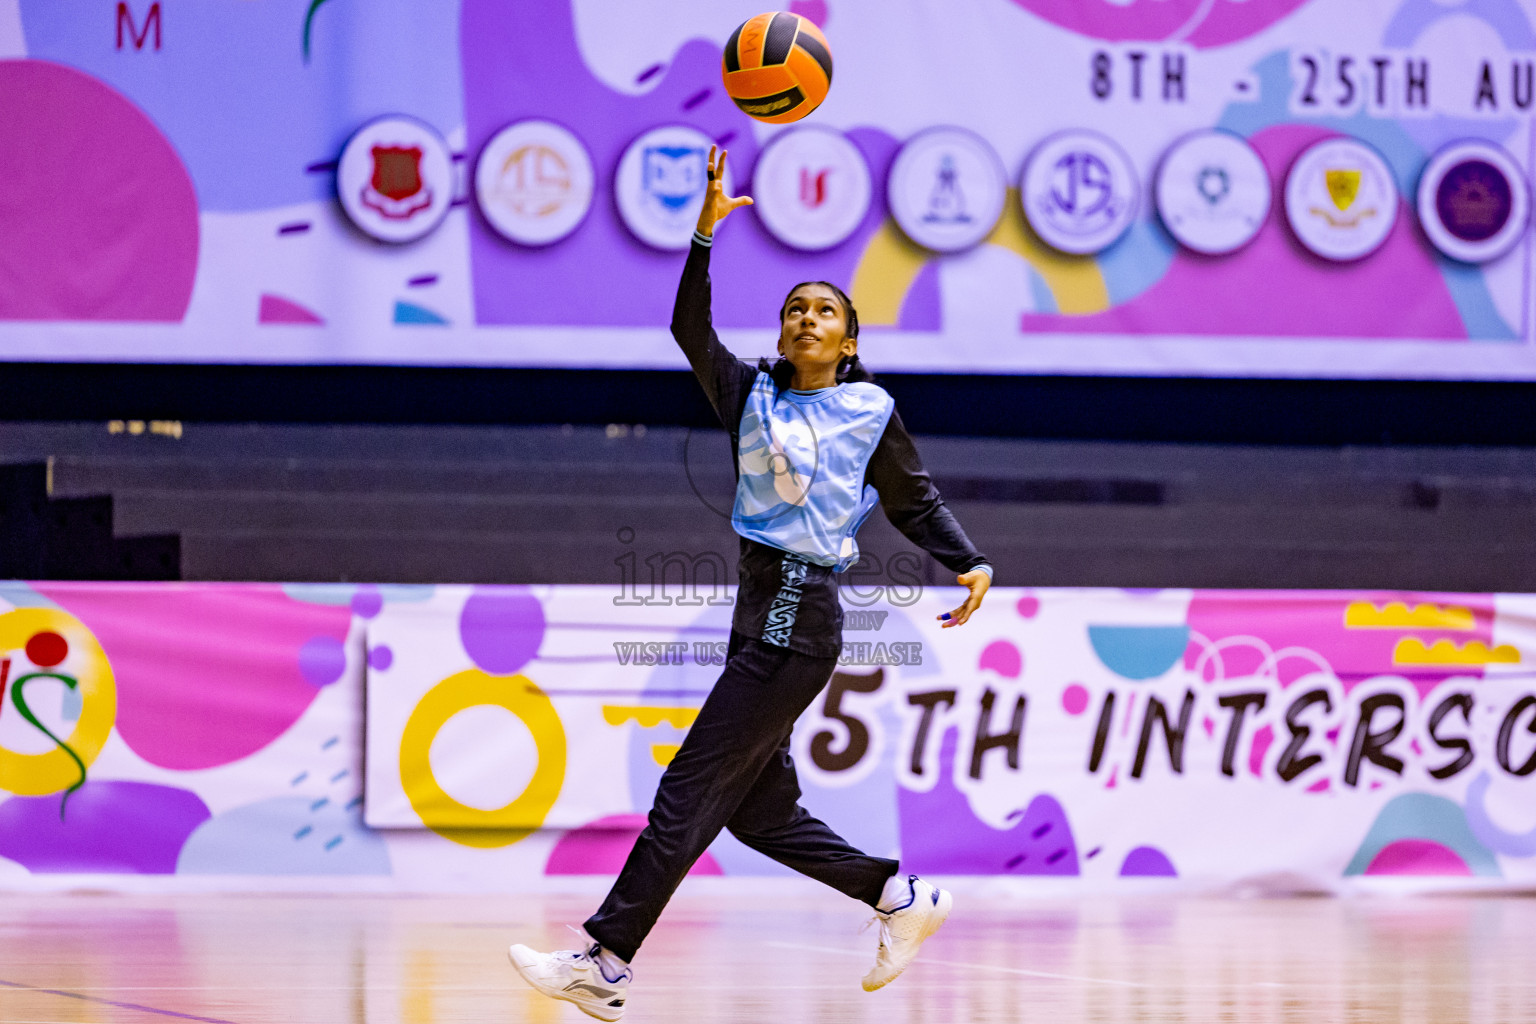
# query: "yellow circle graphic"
41,774
459,822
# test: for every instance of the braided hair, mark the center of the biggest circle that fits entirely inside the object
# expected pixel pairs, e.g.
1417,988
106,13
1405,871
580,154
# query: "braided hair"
849,369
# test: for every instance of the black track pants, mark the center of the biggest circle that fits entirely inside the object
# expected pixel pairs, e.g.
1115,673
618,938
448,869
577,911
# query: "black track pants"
734,771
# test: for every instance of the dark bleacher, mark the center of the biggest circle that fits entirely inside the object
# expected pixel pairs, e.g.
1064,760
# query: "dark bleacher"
44,536
550,504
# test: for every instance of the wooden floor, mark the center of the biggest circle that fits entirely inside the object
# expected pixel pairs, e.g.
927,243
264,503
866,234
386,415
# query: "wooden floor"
797,956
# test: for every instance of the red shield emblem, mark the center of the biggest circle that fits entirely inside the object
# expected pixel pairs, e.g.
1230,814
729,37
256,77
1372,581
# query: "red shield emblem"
396,190
397,171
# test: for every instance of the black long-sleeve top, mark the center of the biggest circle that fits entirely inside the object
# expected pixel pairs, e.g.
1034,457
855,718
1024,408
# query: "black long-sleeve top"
907,493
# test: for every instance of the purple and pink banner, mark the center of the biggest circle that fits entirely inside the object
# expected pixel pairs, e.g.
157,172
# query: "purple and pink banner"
195,735
170,183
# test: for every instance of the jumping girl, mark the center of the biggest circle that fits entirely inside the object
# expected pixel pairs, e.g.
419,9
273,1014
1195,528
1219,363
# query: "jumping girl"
818,444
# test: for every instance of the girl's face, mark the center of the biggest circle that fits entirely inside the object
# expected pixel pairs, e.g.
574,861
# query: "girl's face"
813,329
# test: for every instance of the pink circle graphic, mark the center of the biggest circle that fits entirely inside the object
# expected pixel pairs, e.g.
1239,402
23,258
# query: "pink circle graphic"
207,674
1002,657
1074,699
100,214
601,847
1418,857
1196,22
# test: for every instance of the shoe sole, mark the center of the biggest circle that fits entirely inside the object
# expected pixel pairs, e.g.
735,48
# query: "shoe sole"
557,994
936,921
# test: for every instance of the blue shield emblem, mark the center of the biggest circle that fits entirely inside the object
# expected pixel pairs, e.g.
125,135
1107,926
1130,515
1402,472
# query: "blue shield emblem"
674,175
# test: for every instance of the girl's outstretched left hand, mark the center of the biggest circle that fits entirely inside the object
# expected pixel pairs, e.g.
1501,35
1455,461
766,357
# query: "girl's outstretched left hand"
977,582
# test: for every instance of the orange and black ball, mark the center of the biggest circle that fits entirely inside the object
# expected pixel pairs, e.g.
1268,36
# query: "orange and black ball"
777,67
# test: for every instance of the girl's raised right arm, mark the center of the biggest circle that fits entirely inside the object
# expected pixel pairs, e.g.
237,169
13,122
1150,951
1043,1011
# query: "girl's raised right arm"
723,377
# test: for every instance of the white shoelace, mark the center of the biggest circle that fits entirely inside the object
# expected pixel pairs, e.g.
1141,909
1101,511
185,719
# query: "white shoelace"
884,920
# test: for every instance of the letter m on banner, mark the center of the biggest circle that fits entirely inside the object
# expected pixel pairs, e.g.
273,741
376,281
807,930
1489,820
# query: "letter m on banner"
125,22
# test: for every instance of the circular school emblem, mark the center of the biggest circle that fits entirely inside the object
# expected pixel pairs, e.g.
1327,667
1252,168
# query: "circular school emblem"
1079,192
812,188
534,182
660,184
1212,192
946,189
1473,201
395,179
1341,199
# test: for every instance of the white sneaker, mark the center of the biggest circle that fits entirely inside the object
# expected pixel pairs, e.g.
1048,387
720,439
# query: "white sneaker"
903,930
576,977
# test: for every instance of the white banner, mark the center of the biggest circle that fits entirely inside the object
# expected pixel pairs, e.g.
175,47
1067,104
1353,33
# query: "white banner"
1213,736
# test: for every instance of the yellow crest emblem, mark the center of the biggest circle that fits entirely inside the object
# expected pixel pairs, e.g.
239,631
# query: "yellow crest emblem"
1343,187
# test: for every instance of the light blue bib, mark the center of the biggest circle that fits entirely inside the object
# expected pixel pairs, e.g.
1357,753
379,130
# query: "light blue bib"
802,457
